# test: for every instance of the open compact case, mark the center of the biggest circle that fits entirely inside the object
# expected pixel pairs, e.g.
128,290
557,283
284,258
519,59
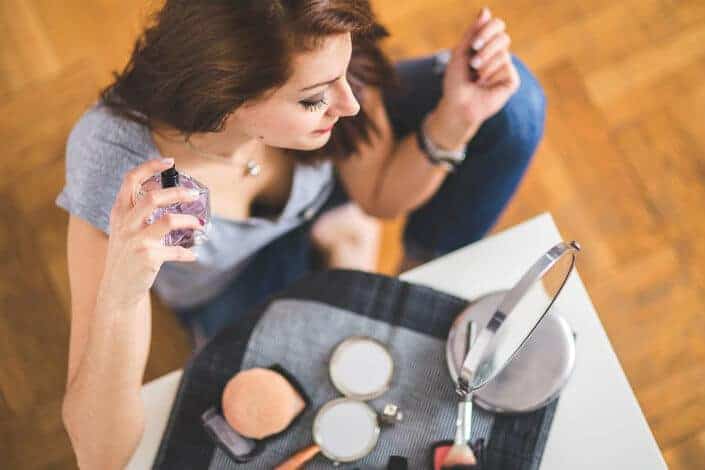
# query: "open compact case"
344,429
347,429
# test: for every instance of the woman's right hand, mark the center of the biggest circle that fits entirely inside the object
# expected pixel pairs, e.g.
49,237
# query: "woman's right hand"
135,249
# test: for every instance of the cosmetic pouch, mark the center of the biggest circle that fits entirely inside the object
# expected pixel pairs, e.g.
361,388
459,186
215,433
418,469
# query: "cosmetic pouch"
299,328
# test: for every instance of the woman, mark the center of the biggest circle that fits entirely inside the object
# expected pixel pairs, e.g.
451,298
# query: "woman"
284,109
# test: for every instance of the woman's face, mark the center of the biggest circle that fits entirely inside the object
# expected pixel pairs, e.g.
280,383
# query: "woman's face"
314,98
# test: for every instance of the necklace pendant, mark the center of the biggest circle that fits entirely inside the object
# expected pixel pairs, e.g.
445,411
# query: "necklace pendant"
252,168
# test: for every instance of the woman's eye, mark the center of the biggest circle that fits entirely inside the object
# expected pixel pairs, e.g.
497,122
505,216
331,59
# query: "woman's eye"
314,105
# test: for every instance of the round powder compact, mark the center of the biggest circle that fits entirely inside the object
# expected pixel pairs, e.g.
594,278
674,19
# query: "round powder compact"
260,402
361,368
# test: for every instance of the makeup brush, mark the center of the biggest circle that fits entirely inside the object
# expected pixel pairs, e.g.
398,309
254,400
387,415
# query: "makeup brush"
460,453
299,459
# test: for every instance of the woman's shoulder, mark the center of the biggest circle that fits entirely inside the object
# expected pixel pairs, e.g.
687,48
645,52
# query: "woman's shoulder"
101,148
100,133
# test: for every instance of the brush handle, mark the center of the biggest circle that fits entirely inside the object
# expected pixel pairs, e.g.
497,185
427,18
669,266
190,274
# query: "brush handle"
298,460
461,423
467,418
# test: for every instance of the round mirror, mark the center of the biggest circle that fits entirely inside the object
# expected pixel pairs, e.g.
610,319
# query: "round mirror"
361,368
519,313
535,375
346,429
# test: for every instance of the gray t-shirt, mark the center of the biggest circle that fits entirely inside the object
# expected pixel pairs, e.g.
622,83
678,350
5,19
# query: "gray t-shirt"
102,147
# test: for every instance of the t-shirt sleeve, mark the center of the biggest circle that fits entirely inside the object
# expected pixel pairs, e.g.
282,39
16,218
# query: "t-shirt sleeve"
95,168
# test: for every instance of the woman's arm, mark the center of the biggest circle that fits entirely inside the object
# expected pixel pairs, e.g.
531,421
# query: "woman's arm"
102,409
387,178
110,279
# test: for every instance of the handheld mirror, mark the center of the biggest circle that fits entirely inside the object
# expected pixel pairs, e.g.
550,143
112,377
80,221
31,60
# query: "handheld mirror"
512,322
347,429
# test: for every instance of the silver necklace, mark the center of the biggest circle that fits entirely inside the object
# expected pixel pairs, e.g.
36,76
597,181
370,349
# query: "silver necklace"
250,168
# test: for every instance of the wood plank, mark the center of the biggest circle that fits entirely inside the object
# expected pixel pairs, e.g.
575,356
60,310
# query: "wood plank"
87,34
649,98
529,19
391,246
26,54
688,109
671,164
34,333
48,223
35,121
675,405
19,444
5,411
687,455
593,40
666,326
646,66
580,135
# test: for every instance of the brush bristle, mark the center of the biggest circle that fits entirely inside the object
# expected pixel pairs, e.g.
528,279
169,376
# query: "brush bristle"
459,456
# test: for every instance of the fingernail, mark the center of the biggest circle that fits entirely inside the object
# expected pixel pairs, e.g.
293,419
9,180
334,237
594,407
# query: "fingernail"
476,62
194,193
477,45
168,161
485,13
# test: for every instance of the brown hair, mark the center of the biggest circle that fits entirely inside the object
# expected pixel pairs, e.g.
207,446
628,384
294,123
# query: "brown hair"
201,59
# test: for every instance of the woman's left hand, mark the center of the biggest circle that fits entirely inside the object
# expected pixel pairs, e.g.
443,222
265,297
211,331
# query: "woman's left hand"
480,76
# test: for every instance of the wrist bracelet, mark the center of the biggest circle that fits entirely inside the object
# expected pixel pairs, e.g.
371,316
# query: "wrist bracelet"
421,141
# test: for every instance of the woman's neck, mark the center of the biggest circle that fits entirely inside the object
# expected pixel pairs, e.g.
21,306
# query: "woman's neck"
229,146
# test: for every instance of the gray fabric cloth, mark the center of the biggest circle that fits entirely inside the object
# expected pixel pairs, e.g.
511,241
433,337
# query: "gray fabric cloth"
421,386
382,305
102,147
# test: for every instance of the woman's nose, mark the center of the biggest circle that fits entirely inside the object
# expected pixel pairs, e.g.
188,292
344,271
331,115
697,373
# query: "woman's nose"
346,104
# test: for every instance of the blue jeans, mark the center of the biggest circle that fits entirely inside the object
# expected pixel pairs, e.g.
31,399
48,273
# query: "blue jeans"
462,211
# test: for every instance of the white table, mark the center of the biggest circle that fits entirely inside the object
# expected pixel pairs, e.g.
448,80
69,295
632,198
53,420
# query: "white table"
598,423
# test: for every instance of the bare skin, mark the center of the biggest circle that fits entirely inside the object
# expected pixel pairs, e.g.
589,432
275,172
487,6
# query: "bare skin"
111,277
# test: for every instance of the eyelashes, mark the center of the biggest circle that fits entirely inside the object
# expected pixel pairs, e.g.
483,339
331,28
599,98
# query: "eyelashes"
314,105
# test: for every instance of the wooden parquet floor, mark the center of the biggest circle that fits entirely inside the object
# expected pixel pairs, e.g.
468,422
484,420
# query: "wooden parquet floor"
622,169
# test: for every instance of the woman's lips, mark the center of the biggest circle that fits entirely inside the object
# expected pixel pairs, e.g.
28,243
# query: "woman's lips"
323,131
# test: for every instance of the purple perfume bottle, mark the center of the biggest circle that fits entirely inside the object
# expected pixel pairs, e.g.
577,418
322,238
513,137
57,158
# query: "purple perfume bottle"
199,207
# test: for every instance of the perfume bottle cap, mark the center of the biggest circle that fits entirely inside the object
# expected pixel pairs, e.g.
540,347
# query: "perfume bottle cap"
170,177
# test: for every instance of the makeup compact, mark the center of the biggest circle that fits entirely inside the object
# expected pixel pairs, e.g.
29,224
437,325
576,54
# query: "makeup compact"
361,368
256,404
347,429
